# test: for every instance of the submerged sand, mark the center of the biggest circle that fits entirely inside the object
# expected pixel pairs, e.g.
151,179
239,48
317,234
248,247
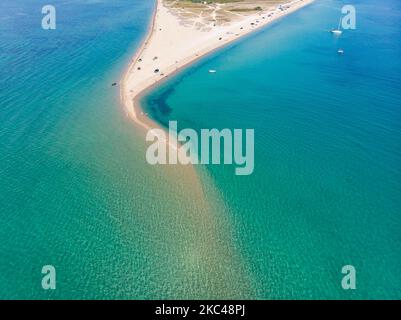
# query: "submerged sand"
170,45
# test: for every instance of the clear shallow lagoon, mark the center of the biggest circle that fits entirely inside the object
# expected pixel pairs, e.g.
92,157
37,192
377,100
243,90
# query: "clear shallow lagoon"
75,189
76,192
326,190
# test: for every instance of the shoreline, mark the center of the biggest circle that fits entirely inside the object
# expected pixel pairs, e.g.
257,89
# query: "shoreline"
130,110
131,93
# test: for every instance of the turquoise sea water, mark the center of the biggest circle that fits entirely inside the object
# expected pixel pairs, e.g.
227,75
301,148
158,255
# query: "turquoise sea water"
77,193
326,190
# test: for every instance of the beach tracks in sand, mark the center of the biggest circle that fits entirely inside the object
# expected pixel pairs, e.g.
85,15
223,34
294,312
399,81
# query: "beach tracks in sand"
182,31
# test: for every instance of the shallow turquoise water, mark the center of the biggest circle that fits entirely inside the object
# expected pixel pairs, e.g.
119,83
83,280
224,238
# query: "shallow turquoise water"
62,172
77,193
326,190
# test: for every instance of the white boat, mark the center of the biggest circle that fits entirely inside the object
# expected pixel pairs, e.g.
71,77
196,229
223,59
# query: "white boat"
337,31
340,51
212,71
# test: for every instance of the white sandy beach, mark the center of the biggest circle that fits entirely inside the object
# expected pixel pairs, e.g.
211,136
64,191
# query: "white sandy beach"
171,45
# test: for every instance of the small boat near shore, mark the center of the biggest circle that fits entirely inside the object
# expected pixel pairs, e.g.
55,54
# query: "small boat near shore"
212,71
337,31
